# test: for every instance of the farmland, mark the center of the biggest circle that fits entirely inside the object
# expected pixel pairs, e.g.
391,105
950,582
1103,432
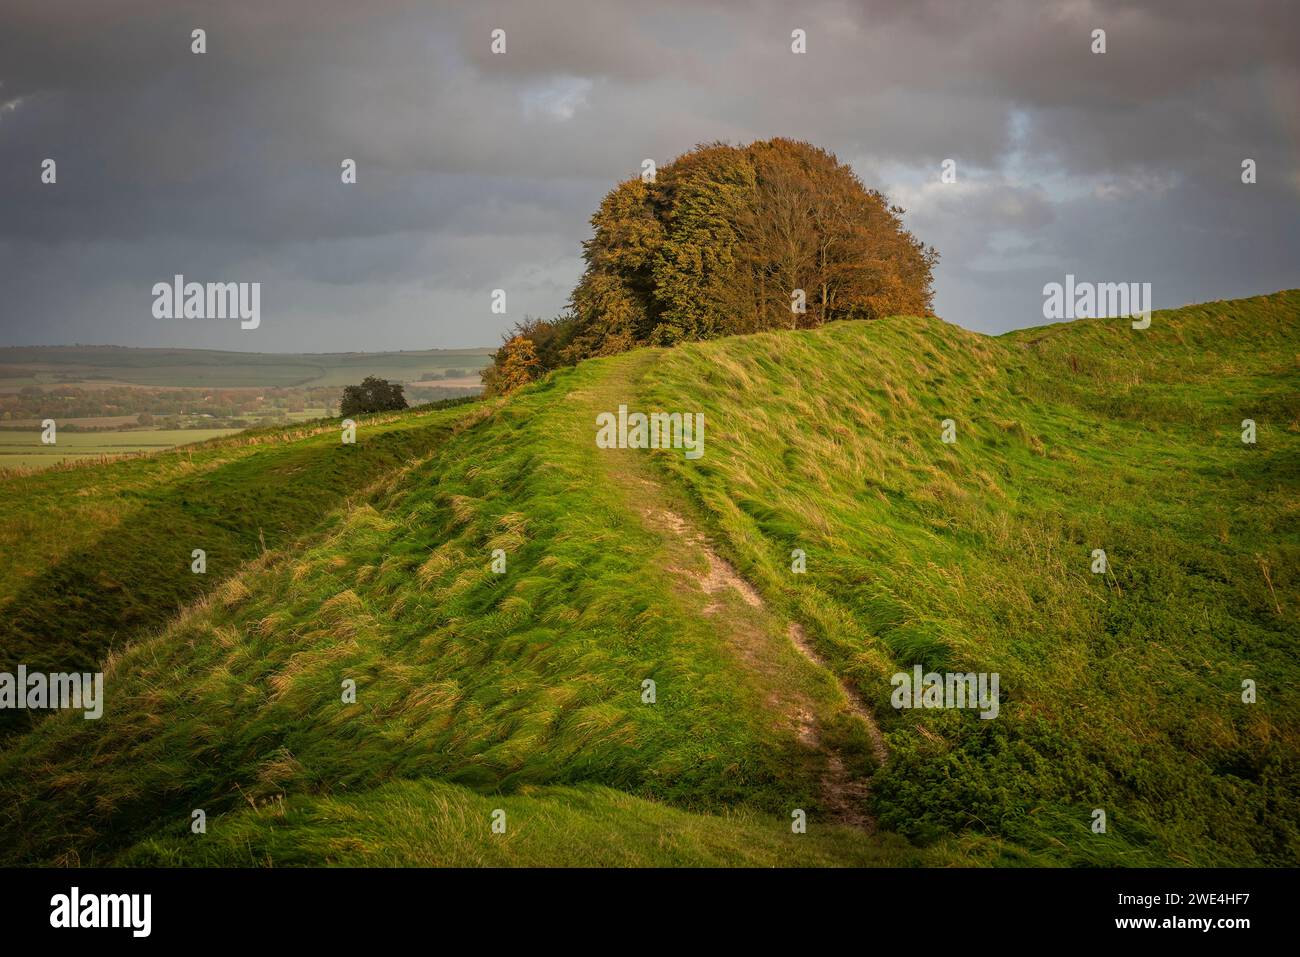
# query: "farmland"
98,366
24,449
108,400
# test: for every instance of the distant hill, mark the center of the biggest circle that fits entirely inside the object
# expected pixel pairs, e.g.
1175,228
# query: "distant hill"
88,366
648,679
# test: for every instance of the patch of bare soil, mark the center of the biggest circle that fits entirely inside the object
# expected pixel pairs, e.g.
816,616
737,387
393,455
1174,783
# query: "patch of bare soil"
843,792
800,639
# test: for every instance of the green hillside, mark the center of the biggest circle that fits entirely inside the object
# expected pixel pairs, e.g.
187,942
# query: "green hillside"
524,691
98,555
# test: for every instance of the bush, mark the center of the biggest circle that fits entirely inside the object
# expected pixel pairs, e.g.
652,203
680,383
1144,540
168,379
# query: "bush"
516,364
372,395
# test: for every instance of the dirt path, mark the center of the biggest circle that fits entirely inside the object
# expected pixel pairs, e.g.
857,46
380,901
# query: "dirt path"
777,653
800,639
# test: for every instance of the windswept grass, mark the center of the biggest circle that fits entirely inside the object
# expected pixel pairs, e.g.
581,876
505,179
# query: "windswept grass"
523,690
1119,691
493,682
431,824
96,555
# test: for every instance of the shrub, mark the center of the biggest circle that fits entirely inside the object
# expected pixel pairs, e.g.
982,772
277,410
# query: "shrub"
372,395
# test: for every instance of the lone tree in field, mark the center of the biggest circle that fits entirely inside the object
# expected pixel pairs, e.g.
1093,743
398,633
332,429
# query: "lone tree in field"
372,395
733,239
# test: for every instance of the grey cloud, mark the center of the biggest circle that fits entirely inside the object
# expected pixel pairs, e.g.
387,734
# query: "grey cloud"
478,171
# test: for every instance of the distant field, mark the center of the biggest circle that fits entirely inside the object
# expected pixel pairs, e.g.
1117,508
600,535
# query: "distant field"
24,449
86,421
102,366
319,412
459,382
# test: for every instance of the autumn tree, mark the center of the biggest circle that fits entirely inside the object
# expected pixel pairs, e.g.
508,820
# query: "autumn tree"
516,364
718,245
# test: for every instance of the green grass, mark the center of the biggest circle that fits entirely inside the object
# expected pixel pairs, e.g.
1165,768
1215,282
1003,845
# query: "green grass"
432,824
492,682
523,691
100,554
1121,692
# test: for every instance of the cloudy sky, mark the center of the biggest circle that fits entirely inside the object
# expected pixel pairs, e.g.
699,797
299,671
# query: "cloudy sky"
479,170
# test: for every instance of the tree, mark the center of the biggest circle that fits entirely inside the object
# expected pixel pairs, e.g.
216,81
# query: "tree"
723,238
517,364
372,395
719,244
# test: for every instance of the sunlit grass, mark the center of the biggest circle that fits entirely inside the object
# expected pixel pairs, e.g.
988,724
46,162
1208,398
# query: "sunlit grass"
522,690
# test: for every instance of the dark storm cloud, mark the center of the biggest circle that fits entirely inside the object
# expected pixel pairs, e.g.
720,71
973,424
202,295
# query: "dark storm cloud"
479,171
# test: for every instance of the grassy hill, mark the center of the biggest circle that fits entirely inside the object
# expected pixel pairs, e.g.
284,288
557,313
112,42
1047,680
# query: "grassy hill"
98,555
524,691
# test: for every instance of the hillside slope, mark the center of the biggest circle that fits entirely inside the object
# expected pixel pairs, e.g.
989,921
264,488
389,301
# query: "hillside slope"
525,690
94,556
1121,692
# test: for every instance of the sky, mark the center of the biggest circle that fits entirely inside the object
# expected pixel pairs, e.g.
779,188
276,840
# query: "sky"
479,171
